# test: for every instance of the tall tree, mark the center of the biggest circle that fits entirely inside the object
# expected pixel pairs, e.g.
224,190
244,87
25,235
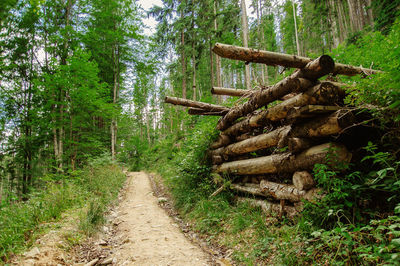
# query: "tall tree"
245,29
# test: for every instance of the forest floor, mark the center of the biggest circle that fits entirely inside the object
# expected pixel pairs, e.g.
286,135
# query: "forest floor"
138,232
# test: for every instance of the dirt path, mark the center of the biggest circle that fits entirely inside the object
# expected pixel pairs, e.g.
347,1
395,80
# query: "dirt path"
138,232
151,236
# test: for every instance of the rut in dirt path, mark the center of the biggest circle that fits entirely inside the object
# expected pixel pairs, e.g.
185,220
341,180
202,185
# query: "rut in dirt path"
154,239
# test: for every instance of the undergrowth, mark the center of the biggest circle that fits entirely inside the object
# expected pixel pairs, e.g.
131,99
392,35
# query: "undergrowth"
91,189
356,223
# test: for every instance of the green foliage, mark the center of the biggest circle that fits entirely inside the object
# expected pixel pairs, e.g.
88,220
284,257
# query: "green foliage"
379,52
375,243
20,222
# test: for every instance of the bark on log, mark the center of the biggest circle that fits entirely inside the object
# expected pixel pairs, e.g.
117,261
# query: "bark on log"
299,81
198,111
269,207
319,94
273,59
189,103
323,93
324,126
261,98
217,159
287,192
286,163
244,136
321,127
216,192
296,145
262,141
249,188
309,111
222,140
231,92
303,180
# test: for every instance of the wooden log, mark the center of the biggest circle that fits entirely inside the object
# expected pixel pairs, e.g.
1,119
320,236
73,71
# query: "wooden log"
200,105
273,58
198,111
294,139
285,162
297,82
255,143
231,92
303,180
244,136
287,192
310,111
216,192
319,94
323,93
217,159
296,145
268,207
261,98
221,141
324,126
249,188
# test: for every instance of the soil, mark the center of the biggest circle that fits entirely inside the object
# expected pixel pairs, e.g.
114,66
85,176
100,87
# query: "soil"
143,229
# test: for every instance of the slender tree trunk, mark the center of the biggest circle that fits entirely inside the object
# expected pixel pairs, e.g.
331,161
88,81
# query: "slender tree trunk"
369,12
333,25
343,17
263,46
115,100
183,60
245,29
295,28
211,63
194,59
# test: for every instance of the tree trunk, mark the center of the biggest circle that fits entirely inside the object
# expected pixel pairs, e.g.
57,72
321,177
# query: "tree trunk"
189,103
231,92
309,111
217,159
222,141
194,73
273,59
286,163
259,142
198,111
245,29
269,207
296,82
324,92
295,29
296,145
303,180
183,60
333,25
287,192
217,58
249,188
324,126
211,65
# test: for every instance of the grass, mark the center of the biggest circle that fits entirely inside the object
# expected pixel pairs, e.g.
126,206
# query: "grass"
255,238
91,189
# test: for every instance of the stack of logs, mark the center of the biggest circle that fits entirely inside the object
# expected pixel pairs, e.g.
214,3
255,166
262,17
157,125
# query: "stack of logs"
264,150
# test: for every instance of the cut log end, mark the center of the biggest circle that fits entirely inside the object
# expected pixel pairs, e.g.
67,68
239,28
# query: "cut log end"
303,180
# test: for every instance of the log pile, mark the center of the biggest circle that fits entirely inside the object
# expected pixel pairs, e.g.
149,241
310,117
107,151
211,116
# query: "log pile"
271,151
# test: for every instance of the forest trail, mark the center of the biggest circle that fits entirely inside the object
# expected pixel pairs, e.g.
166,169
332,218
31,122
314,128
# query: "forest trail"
151,236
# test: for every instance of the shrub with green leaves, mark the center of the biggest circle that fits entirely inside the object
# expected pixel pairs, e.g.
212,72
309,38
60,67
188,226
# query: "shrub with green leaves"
377,51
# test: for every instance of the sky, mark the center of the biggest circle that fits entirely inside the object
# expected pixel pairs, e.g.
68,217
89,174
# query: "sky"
151,22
